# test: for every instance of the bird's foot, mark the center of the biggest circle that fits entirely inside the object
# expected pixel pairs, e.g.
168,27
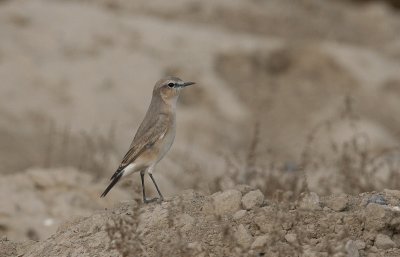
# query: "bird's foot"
155,199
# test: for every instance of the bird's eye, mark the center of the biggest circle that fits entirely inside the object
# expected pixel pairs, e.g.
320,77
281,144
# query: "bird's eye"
171,84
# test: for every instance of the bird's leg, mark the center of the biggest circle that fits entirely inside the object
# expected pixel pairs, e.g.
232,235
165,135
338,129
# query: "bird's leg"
158,190
145,200
143,190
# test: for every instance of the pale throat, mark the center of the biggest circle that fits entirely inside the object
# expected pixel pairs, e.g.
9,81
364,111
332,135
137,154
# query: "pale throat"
171,102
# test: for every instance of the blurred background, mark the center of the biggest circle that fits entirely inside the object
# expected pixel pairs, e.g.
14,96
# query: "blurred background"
291,95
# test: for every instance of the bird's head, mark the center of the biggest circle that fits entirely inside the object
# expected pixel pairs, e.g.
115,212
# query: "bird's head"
169,88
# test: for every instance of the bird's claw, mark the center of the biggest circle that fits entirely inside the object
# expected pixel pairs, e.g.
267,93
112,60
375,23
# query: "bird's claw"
155,199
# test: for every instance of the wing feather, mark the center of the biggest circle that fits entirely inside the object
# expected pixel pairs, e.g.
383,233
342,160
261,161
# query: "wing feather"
139,144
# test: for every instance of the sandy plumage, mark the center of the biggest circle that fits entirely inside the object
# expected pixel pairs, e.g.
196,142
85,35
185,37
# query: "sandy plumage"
154,136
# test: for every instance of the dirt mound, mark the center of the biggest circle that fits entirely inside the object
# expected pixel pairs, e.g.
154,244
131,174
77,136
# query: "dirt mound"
35,202
235,222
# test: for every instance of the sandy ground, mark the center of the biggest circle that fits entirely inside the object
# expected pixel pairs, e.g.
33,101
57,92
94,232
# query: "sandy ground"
236,222
291,97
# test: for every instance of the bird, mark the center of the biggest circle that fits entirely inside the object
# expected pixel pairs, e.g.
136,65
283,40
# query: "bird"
154,137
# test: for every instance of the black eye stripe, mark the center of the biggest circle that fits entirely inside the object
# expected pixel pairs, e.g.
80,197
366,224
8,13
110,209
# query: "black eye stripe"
171,84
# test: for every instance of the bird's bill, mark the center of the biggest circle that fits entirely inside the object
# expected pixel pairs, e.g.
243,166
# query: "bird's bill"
185,84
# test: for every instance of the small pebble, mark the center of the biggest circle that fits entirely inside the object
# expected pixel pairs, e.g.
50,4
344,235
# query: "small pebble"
252,199
227,201
291,238
378,199
243,236
338,203
351,249
384,242
259,242
239,214
310,202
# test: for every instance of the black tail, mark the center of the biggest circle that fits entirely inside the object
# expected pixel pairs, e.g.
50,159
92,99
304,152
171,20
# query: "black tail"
114,181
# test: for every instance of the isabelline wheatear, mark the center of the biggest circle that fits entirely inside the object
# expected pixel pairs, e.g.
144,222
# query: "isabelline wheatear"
155,135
